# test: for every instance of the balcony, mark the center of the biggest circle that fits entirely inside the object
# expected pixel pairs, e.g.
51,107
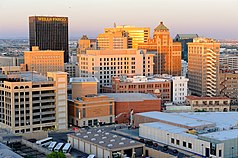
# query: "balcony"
48,118
47,106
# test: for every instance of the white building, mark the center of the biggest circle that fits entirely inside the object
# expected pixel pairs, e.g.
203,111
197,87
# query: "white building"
184,67
180,88
229,61
210,134
104,64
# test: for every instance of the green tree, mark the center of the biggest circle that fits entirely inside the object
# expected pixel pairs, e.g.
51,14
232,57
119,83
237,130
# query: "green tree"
56,155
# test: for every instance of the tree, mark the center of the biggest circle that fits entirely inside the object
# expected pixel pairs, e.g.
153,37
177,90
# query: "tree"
56,155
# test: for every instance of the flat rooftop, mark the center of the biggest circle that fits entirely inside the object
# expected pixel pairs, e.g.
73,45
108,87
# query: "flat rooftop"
29,77
106,139
130,97
222,120
83,79
222,135
169,128
176,118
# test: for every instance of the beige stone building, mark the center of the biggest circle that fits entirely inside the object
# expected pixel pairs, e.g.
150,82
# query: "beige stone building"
113,40
203,66
135,34
103,64
167,57
31,102
228,85
44,61
209,104
82,86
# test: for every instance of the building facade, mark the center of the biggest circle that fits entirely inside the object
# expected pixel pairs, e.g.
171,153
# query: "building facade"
32,102
229,61
211,104
103,64
91,110
203,66
180,89
44,61
113,40
184,68
228,85
159,87
49,33
167,57
72,69
136,35
185,39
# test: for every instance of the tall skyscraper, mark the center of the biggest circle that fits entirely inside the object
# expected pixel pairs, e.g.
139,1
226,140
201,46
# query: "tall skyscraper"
135,34
203,66
167,57
49,33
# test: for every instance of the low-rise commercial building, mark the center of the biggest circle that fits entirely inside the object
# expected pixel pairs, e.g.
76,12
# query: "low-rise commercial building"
159,87
126,104
91,110
210,134
104,144
211,104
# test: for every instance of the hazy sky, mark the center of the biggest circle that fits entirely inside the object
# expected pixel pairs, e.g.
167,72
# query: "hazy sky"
210,18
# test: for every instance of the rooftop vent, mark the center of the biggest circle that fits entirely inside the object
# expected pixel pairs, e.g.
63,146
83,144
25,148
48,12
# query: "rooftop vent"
132,141
107,133
104,137
123,138
109,145
101,142
78,134
96,135
114,136
99,131
121,143
89,132
85,136
93,139
112,140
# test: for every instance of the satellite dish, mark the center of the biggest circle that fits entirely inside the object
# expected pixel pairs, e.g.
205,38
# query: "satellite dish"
157,91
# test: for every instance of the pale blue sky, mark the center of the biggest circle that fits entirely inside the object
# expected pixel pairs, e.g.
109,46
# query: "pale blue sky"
210,18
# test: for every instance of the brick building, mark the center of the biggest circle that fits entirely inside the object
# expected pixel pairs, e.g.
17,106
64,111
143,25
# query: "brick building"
140,84
138,102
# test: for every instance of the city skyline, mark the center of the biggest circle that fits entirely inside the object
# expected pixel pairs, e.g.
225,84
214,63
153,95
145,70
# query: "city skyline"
206,18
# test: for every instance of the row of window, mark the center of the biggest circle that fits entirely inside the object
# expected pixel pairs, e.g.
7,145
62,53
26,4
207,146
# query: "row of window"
185,144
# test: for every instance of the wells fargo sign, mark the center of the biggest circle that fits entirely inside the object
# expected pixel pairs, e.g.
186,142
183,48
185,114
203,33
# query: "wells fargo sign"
51,19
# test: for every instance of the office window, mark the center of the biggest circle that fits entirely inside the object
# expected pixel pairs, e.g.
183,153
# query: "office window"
110,109
84,112
220,153
190,145
184,144
172,140
177,142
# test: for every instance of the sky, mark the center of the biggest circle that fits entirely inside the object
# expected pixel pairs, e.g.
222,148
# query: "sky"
209,18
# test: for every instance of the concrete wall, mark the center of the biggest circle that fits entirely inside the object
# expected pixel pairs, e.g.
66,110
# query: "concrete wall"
35,135
36,147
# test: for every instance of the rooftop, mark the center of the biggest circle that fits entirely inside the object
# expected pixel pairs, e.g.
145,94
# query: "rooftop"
104,138
221,120
83,79
191,97
130,97
176,118
222,135
161,27
169,128
187,36
29,76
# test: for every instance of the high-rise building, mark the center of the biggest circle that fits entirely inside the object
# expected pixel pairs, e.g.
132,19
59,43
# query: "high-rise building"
167,57
31,102
135,34
104,64
44,61
113,40
49,33
184,39
203,66
83,44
